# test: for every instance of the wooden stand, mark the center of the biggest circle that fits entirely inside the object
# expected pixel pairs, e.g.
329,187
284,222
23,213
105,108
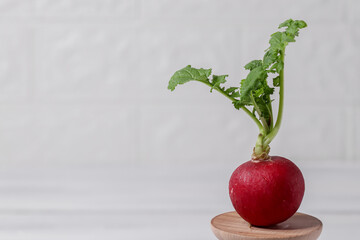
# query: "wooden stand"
230,226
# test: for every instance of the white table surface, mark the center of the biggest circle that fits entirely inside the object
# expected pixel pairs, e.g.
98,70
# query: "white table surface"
160,201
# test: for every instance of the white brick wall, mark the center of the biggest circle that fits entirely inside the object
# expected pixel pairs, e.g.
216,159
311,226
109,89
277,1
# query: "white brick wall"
67,134
94,146
85,81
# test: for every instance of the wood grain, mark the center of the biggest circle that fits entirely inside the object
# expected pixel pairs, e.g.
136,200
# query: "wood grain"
230,226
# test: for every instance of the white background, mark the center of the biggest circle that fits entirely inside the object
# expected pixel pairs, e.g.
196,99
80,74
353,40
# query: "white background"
94,146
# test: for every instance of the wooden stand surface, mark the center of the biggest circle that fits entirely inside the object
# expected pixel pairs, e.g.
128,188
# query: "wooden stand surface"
230,226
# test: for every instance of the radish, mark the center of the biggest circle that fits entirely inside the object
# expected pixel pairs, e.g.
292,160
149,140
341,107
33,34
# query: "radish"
267,192
267,189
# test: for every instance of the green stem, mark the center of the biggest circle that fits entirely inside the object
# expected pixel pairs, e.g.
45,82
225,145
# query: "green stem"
276,128
258,150
269,107
261,128
257,109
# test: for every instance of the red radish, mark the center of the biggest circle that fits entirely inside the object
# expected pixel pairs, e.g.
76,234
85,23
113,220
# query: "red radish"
267,192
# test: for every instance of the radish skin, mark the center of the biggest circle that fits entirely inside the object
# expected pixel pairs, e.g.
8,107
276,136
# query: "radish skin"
267,192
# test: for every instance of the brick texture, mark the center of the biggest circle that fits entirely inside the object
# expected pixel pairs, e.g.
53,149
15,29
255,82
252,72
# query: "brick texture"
85,81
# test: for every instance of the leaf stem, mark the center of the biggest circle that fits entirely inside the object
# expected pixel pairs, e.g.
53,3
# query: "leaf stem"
269,107
260,126
276,128
257,109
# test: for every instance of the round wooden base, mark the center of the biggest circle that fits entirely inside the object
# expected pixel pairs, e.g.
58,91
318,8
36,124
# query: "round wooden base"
230,226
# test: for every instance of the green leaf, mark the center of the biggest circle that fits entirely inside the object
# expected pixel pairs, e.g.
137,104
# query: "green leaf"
253,64
259,92
217,80
238,104
264,110
270,57
286,23
291,23
276,42
276,81
293,27
187,74
278,66
301,24
252,82
233,92
254,90
268,90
